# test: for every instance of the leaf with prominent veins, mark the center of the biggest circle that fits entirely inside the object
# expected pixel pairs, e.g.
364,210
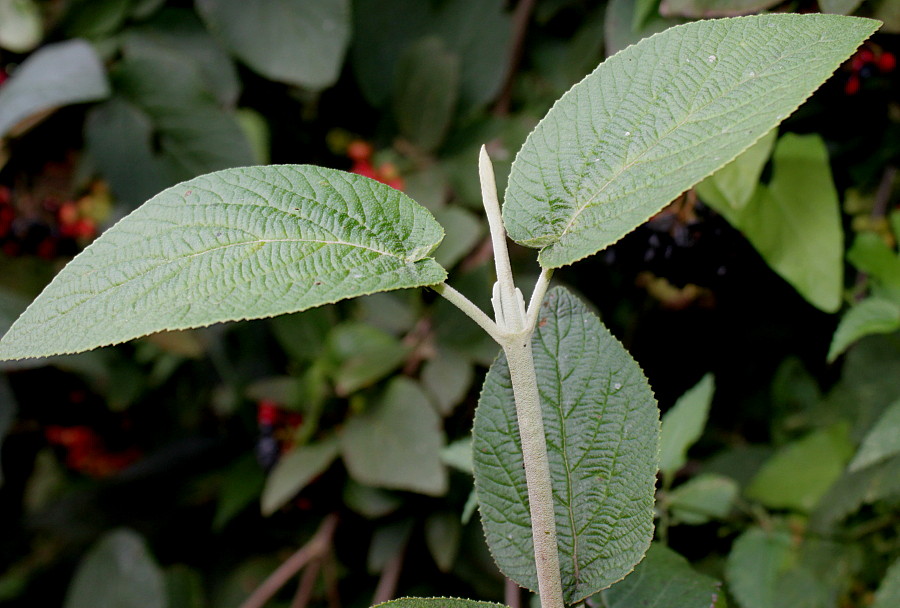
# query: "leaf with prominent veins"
653,120
236,244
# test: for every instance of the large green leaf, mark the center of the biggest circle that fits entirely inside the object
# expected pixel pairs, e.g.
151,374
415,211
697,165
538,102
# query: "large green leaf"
881,442
118,572
757,559
397,443
660,116
294,471
729,189
683,424
602,429
55,75
665,580
237,244
300,43
871,316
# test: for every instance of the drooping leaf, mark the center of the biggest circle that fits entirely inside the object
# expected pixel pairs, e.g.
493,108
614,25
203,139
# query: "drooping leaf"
871,316
794,222
632,136
683,424
56,75
300,43
442,535
118,571
839,7
425,92
294,471
602,429
236,244
436,602
799,474
714,8
21,28
756,560
881,442
707,496
732,186
888,593
664,579
397,443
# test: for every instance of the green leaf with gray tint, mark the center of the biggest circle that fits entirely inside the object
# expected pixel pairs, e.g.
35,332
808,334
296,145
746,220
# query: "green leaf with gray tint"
881,442
236,244
713,8
602,429
436,602
705,497
664,579
871,316
397,443
658,117
683,424
294,471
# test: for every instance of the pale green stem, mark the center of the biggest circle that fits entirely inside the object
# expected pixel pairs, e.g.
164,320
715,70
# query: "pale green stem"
537,298
470,309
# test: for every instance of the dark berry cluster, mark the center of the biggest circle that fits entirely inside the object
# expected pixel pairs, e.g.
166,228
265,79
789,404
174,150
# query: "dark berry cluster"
277,428
86,453
867,62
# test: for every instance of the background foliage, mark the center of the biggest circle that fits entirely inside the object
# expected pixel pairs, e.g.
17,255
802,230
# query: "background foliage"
181,469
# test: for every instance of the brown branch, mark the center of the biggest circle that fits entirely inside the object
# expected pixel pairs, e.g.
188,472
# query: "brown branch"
329,571
512,595
390,576
521,17
316,548
307,584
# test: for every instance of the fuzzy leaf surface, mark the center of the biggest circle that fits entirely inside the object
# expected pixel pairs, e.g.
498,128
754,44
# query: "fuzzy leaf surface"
655,119
436,602
602,429
236,244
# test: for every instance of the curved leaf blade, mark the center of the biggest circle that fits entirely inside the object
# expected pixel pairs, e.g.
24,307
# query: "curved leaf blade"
236,244
602,429
658,117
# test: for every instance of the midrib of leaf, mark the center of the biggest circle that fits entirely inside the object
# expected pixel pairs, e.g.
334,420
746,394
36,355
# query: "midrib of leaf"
694,111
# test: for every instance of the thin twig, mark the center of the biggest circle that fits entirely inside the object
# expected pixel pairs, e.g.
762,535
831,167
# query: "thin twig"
521,17
390,576
512,594
329,573
307,584
316,547
470,309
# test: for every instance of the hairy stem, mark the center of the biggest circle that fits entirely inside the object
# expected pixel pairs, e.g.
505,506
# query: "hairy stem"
469,309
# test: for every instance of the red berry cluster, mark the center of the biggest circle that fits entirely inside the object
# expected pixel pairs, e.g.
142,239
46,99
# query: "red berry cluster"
866,62
86,453
276,432
360,152
59,229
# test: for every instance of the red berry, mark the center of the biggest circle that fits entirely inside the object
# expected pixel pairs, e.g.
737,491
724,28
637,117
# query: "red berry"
47,248
84,229
359,150
68,213
866,55
852,86
887,62
4,195
364,168
267,413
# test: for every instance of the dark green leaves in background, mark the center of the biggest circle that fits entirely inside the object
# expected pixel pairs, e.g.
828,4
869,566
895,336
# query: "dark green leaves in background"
602,428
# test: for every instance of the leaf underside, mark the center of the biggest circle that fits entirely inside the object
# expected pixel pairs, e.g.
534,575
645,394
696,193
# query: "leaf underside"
236,244
653,120
602,428
436,602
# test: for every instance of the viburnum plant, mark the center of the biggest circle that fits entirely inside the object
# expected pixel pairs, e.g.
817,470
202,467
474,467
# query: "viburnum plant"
567,431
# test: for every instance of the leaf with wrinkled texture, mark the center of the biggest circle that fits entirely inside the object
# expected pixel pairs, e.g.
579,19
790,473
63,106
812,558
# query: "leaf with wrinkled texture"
300,43
871,316
294,471
56,75
602,429
236,244
683,424
118,571
397,443
881,442
660,116
664,579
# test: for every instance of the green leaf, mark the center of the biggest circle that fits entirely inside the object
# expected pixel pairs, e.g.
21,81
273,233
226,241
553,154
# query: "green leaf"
873,256
620,19
871,316
118,571
447,378
602,429
387,542
881,442
683,424
664,579
856,489
478,31
94,19
888,594
632,136
464,231
237,244
799,474
364,355
795,222
20,25
705,497
839,7
397,443
756,560
436,602
294,471
56,75
732,186
184,588
888,12
714,8
459,455
242,483
369,502
425,92
442,535
304,336
643,10
298,43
